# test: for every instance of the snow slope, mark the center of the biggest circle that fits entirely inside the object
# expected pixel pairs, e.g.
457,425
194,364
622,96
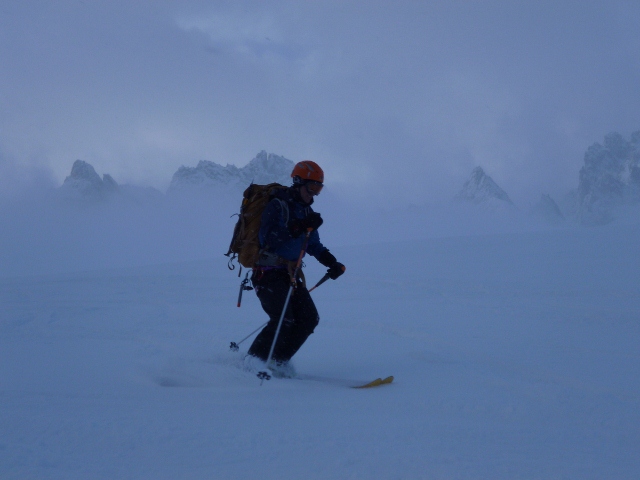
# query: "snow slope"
515,356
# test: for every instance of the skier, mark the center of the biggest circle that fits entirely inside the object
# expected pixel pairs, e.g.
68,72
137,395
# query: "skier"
285,221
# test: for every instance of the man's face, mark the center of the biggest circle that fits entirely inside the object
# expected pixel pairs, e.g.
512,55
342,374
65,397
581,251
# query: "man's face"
305,195
310,189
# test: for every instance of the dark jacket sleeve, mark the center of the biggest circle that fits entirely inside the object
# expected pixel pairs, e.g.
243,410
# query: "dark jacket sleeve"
315,247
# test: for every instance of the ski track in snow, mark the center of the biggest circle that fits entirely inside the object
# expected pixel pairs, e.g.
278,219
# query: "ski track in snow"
515,356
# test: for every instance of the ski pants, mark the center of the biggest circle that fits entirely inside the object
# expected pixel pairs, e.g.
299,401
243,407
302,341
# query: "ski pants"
300,319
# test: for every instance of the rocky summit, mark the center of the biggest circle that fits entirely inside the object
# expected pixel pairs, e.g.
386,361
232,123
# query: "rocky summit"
609,178
264,168
480,189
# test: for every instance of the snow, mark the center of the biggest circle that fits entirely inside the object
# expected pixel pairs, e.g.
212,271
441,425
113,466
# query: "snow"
515,356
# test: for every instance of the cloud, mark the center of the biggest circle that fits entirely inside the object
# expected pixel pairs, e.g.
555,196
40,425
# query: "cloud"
20,180
408,96
253,35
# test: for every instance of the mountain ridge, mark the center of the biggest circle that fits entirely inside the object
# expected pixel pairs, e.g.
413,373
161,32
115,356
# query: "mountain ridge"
263,168
608,184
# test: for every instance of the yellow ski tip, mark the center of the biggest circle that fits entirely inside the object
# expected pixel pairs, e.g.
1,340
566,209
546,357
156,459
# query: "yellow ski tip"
376,383
387,380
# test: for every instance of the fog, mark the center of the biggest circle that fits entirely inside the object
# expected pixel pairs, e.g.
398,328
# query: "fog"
397,101
49,234
45,231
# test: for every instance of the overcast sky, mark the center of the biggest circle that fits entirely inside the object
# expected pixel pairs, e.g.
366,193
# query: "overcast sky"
397,99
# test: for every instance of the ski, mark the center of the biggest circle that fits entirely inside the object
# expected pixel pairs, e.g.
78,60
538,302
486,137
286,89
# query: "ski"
376,383
341,382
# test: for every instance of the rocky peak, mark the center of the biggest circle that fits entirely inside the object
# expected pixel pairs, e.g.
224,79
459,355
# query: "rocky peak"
85,182
610,177
481,189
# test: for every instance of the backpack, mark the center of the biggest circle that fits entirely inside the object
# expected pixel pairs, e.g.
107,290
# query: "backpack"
245,245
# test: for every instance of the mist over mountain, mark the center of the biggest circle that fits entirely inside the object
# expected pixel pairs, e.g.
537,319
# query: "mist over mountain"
608,188
92,221
547,211
264,168
609,179
481,192
480,189
85,185
83,181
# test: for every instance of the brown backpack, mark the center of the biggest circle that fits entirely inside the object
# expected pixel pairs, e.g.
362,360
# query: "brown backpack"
245,245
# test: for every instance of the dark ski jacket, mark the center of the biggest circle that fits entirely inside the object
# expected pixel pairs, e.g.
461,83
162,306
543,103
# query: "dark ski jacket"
274,233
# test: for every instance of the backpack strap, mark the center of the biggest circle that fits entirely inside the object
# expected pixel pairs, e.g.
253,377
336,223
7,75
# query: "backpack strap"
284,206
269,259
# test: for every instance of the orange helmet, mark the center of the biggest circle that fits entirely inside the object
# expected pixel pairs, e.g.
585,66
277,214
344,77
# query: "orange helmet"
307,170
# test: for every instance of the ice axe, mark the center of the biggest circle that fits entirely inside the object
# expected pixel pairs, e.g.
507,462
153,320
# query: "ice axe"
243,287
324,279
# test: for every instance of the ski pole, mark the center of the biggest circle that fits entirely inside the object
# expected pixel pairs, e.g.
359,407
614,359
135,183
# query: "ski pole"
265,375
234,347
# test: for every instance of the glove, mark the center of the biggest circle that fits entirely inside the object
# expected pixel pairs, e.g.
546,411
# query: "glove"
327,259
336,270
299,225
